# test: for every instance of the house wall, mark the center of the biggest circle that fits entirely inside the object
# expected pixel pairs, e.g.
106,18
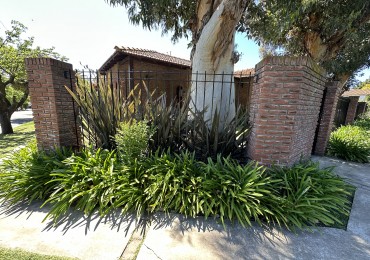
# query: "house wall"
166,80
243,91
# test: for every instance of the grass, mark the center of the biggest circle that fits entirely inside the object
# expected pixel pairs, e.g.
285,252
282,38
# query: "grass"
19,254
22,135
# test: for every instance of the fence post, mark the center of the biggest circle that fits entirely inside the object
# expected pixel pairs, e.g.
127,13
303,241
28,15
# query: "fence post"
285,106
52,106
351,112
327,119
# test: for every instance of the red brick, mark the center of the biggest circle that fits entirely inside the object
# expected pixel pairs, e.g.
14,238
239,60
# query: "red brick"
51,103
291,92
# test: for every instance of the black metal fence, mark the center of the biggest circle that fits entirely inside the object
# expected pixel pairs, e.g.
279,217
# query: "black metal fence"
171,83
168,87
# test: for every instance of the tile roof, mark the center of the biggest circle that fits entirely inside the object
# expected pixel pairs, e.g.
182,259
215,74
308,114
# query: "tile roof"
356,93
153,55
244,73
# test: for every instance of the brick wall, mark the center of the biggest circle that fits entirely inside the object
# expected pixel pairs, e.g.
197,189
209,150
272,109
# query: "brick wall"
285,105
351,112
326,124
52,106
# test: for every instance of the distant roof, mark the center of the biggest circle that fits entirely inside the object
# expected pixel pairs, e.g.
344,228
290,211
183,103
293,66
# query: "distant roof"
122,52
356,93
244,73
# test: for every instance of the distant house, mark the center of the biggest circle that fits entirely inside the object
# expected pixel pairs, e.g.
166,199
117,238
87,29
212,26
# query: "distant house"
128,67
243,87
169,75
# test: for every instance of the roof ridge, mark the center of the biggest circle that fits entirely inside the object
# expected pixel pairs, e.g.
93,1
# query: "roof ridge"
123,48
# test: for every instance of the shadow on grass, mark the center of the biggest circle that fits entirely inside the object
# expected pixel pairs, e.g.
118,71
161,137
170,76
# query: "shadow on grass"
22,134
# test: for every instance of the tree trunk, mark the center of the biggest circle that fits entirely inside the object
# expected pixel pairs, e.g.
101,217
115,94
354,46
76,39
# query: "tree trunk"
6,126
7,108
212,86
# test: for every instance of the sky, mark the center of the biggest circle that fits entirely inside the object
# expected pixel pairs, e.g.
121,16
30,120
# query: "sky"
86,31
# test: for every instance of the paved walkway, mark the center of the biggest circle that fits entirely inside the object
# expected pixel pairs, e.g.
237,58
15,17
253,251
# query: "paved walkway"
178,238
174,237
78,236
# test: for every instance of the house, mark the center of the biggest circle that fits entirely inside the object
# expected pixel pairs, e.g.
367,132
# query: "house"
243,86
166,74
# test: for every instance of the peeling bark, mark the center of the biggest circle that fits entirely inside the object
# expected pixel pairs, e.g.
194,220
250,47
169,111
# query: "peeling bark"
212,58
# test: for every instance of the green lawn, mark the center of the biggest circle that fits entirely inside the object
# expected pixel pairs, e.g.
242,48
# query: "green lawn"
18,254
22,134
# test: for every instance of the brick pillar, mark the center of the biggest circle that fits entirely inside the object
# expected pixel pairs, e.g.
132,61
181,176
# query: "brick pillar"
52,106
285,105
330,101
351,112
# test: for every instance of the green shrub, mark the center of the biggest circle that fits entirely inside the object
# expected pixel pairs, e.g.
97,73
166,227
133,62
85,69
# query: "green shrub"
25,175
363,122
84,182
238,193
176,127
296,197
100,110
175,183
132,139
351,143
309,195
208,141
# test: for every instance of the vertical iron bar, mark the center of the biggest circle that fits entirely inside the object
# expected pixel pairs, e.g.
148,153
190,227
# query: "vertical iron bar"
79,114
196,91
112,93
74,109
171,88
204,90
88,117
119,84
222,91
213,89
98,84
231,85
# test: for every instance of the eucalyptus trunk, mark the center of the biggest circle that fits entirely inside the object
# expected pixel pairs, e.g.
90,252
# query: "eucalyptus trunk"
213,59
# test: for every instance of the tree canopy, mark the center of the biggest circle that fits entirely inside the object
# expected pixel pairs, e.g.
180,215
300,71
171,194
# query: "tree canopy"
168,15
336,34
13,50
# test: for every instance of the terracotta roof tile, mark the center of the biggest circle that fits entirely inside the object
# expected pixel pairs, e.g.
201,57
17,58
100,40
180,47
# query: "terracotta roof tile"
356,93
154,55
244,73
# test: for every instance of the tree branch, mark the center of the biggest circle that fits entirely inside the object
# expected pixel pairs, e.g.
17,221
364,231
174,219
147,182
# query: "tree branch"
10,80
17,105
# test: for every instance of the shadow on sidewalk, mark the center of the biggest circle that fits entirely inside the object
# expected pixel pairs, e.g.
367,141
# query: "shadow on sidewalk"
72,219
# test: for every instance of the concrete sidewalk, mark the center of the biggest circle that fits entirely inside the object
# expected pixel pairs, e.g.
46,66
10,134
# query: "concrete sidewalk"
175,237
77,236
